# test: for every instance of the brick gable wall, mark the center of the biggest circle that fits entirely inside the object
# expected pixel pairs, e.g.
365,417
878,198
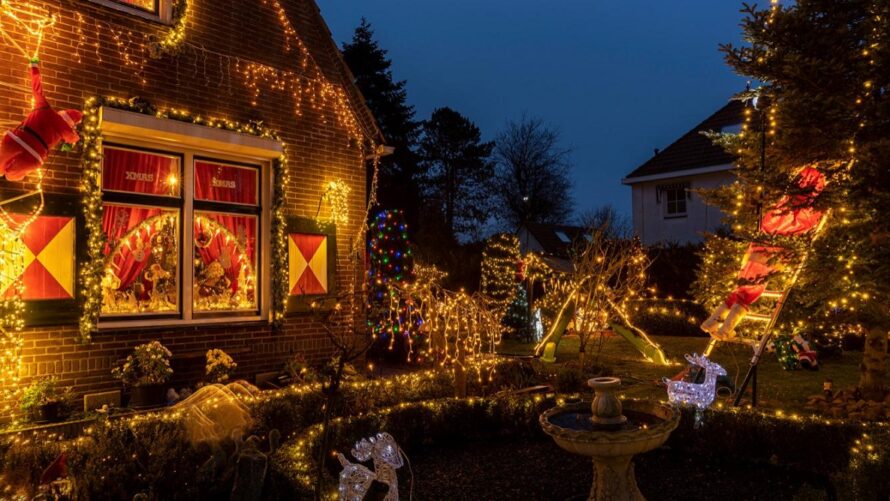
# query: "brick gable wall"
219,34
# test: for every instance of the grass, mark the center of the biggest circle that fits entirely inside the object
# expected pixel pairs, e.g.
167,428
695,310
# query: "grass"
776,388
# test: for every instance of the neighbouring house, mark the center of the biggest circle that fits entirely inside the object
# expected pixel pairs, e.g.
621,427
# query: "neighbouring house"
553,243
665,207
171,219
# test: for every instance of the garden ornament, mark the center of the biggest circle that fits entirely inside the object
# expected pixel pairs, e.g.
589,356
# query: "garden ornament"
386,454
701,395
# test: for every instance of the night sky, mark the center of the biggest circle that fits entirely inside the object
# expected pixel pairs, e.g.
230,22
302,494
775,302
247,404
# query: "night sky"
618,78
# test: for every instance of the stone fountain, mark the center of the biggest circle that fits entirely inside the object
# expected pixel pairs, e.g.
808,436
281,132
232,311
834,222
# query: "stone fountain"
611,435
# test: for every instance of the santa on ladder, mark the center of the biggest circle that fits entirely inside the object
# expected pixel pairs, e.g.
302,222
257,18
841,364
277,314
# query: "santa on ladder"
792,216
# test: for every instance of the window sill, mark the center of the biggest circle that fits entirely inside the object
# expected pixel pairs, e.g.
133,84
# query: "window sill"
676,216
135,11
168,324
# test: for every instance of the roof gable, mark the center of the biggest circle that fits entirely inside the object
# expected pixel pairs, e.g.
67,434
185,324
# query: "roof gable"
693,150
556,240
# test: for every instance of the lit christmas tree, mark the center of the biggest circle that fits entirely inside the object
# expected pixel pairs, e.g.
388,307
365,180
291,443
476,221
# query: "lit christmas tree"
824,104
391,265
517,316
500,266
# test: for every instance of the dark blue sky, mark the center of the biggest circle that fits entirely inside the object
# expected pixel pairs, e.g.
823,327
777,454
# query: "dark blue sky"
617,78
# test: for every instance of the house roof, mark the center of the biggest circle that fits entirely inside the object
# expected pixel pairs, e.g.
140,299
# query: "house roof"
341,70
552,238
693,150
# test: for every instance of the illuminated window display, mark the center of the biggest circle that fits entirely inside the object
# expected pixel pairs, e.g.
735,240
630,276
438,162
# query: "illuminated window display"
151,209
225,262
141,274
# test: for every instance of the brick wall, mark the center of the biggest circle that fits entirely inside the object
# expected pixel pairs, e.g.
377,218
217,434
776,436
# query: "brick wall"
81,58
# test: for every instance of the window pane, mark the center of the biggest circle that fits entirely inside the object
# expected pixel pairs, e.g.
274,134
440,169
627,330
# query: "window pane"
142,260
225,262
216,182
148,5
140,172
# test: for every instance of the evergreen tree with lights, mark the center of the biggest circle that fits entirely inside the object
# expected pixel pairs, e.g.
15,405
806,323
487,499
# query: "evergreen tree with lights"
517,318
391,265
500,266
824,102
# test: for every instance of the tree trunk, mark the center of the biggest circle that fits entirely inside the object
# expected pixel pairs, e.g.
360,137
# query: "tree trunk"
460,374
873,369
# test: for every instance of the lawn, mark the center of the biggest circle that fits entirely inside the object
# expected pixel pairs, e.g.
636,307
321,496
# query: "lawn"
777,388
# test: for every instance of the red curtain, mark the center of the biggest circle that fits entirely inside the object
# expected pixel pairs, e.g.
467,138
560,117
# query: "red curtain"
139,172
211,244
226,183
130,262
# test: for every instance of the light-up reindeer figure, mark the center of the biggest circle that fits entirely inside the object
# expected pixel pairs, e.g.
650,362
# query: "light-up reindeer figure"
701,395
356,479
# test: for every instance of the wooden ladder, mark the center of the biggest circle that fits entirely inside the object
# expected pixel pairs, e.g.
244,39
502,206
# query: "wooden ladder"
769,320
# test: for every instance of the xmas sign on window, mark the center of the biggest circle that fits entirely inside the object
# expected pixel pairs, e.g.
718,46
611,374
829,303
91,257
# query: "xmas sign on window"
140,172
217,182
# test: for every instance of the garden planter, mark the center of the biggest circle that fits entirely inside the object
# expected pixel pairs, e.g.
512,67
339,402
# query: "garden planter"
49,413
144,397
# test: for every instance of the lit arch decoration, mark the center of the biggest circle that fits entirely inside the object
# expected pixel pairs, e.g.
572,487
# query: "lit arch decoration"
110,281
241,252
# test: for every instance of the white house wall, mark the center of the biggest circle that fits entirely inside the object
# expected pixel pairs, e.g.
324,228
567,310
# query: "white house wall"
649,218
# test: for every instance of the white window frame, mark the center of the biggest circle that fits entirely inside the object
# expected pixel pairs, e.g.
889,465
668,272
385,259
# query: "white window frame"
667,202
207,143
164,13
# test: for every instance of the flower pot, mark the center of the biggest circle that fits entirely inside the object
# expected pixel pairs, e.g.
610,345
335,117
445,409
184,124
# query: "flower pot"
50,412
144,397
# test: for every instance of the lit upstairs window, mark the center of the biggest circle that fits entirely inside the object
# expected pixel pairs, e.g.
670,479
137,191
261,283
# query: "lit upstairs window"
156,10
146,5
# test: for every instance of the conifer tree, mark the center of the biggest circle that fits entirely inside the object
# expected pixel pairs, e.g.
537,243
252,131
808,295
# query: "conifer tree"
825,101
399,176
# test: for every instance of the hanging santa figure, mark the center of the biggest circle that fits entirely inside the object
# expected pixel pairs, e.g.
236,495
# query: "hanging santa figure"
25,148
792,216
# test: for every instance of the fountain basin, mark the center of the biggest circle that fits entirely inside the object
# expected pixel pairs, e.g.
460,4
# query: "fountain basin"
648,426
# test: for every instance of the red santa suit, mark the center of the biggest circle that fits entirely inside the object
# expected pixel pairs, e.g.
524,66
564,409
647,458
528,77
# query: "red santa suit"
25,148
792,215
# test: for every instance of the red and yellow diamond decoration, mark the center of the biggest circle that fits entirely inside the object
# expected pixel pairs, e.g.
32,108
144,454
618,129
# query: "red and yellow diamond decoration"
48,259
308,263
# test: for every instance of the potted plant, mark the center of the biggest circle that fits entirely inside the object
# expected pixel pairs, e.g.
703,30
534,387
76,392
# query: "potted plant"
219,367
43,400
146,371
